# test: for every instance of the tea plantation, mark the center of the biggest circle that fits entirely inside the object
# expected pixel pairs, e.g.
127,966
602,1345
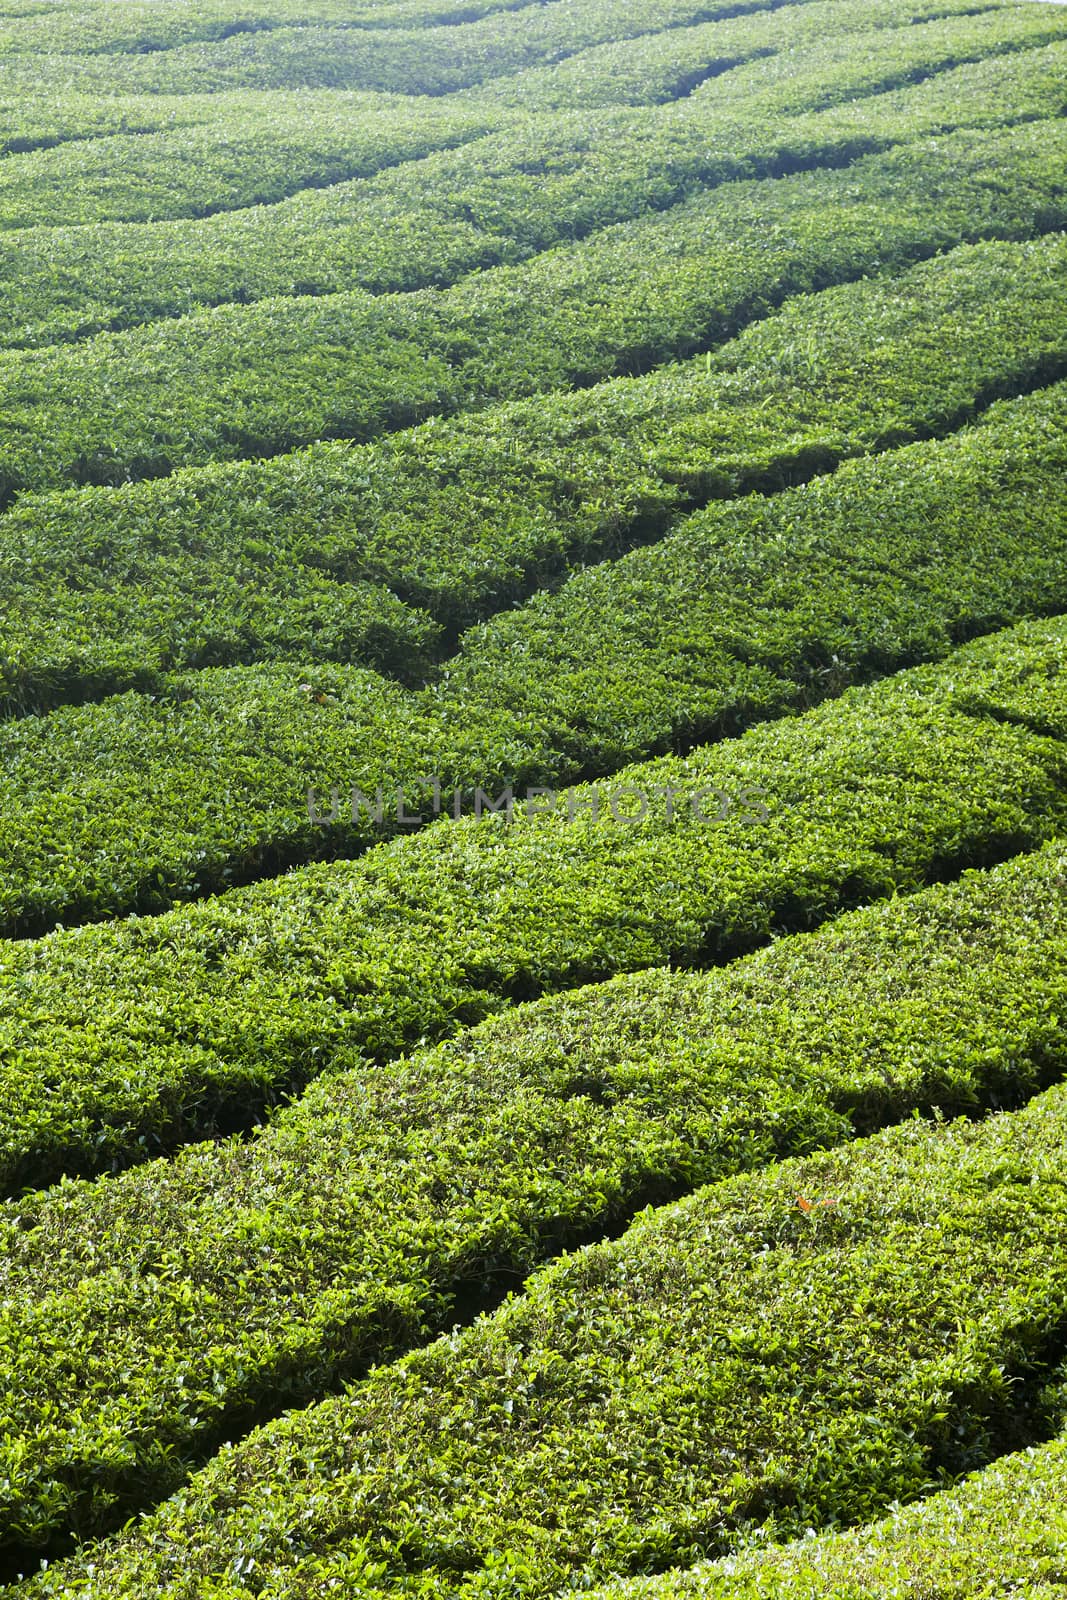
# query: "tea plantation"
533,799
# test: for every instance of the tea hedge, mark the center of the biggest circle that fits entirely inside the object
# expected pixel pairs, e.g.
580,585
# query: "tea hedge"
100,29
120,1037
426,224
746,612
40,121
730,1361
437,62
139,404
772,84
149,799
140,28
788,1351
754,607
361,1216
34,125
257,150
278,142
106,590
243,613
675,62
415,60
788,46
1002,1531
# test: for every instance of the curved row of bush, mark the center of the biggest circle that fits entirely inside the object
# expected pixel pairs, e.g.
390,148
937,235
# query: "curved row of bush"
748,611
1003,1530
758,607
142,28
144,402
358,1220
412,60
520,191
237,157
732,1362
104,590
758,55
121,1037
67,118
785,1351
65,115
234,159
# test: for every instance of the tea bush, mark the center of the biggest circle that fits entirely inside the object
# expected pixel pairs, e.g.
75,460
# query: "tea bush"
731,1360
750,610
157,1029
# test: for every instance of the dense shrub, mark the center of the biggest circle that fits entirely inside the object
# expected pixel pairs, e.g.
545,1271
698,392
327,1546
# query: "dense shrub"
142,27
769,60
264,52
140,403
359,1219
750,610
258,1148
153,1029
332,54
1004,1529
247,149
253,151
732,1359
759,606
106,590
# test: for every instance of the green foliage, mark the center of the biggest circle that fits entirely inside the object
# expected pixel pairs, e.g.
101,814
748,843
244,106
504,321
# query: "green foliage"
763,605
730,1360
331,54
254,150
474,232
145,800
140,403
143,27
1002,1532
336,553
356,1221
36,125
427,223
769,61
747,611
249,149
153,1029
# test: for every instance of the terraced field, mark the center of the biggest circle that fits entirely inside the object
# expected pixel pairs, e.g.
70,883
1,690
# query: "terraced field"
533,799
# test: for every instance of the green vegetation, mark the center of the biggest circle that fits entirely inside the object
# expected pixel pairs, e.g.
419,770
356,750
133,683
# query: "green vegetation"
139,404
198,168
756,607
631,434
766,62
414,60
104,591
39,122
748,611
142,26
258,148
39,126
730,1360
1002,1532
143,801
429,223
491,51
679,61
154,1030
355,1223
